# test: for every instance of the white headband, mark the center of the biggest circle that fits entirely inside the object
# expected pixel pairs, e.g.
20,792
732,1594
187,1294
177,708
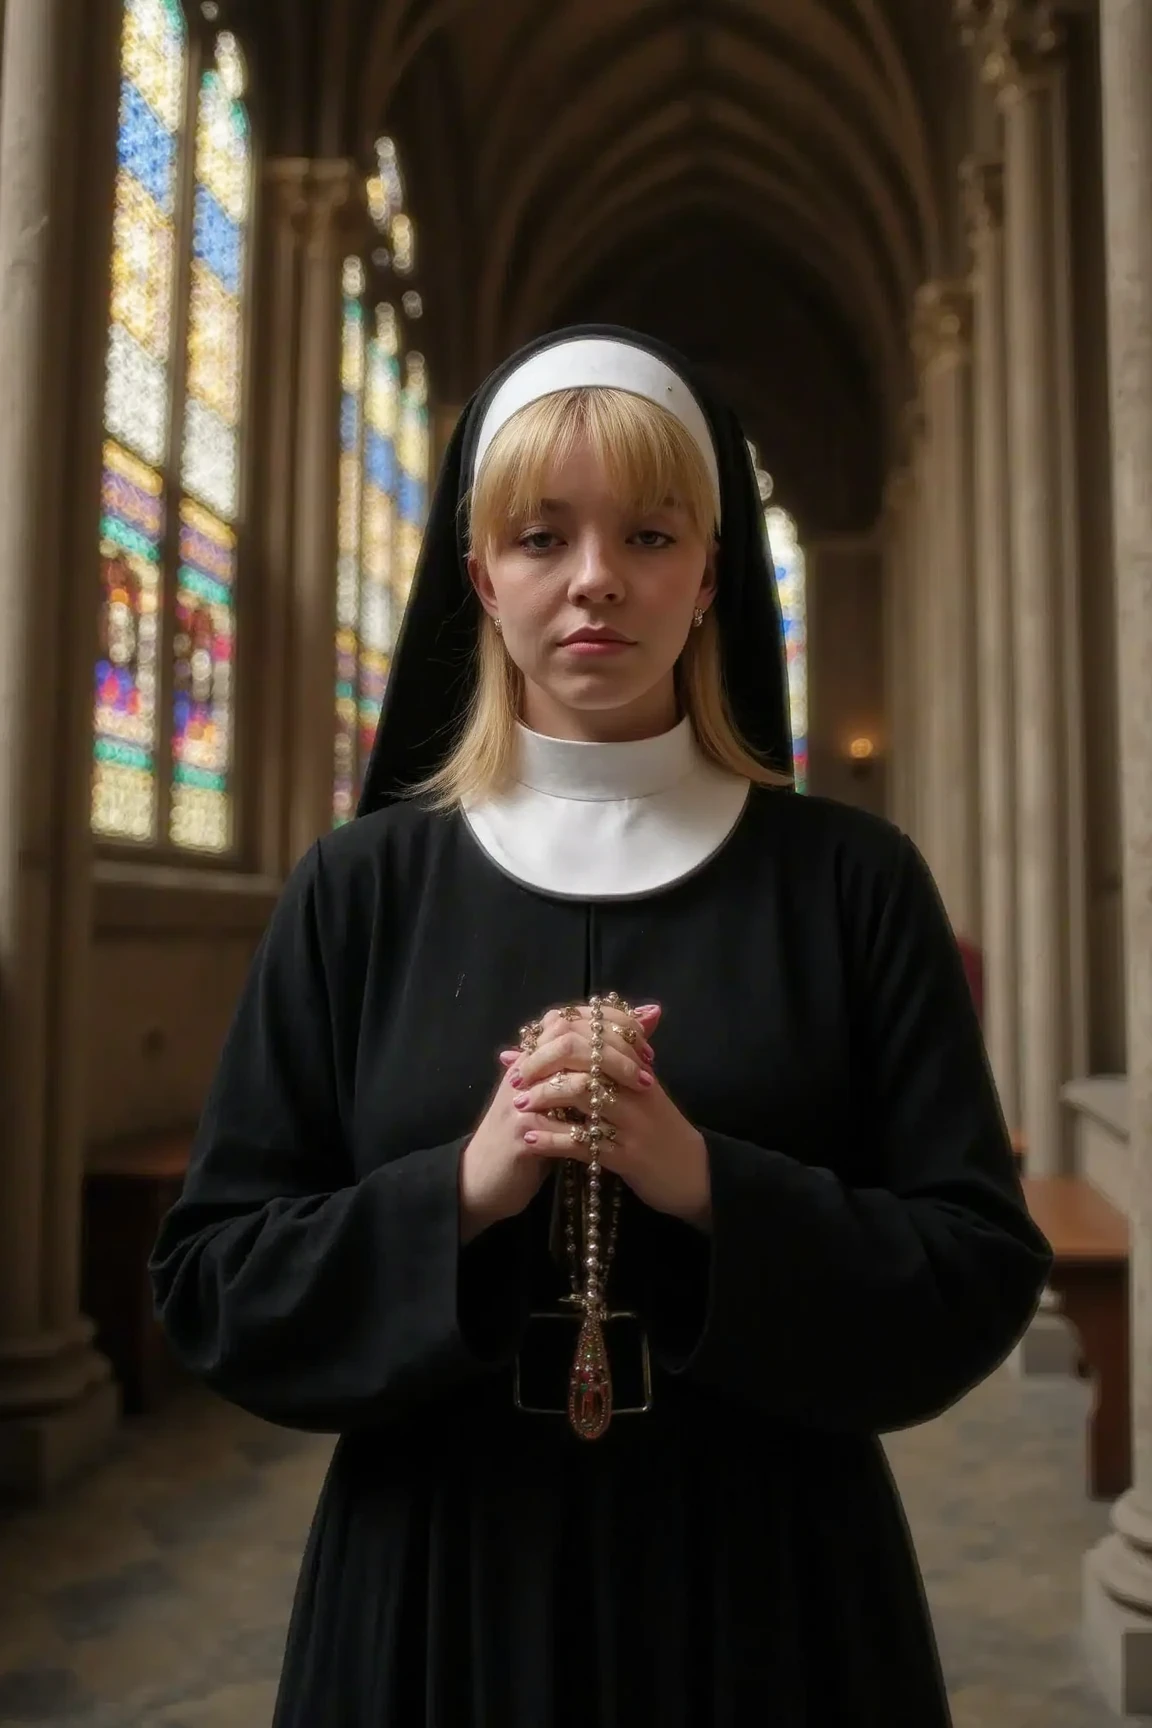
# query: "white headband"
592,361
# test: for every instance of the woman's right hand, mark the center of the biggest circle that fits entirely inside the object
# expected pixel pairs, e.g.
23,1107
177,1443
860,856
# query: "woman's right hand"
499,1173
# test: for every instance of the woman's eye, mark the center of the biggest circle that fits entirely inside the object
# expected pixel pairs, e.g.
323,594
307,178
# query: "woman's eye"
652,537
540,540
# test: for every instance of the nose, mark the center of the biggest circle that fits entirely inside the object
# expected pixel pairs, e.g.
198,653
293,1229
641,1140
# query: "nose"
595,576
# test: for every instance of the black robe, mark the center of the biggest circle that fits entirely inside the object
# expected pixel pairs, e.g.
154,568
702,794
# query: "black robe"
737,1556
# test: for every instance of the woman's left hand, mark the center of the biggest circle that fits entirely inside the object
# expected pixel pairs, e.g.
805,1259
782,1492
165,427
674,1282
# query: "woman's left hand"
656,1151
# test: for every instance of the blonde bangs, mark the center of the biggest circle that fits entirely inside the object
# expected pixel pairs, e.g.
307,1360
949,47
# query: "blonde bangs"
645,452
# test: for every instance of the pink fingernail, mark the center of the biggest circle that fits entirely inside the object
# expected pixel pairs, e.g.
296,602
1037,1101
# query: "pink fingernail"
647,1052
507,1057
520,1103
516,1079
649,1009
531,1137
645,1079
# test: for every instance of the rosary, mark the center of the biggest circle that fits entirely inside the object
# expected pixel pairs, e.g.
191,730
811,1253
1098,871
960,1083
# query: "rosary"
589,1252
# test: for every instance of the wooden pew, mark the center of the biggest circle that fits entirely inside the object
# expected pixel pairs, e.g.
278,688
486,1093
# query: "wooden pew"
128,1187
1089,1239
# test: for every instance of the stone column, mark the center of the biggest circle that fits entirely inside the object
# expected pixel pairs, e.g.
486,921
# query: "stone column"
331,225
942,344
1020,43
57,1401
983,188
899,659
1118,1572
919,696
286,194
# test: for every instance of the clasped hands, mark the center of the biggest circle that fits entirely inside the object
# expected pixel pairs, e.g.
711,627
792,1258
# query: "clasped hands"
654,1149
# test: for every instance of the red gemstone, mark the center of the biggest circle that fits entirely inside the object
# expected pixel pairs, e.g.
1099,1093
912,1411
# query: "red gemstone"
590,1384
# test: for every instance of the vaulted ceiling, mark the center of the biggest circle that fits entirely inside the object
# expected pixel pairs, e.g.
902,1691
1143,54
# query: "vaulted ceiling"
763,182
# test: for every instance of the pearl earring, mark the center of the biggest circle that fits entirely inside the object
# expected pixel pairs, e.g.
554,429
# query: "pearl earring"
698,617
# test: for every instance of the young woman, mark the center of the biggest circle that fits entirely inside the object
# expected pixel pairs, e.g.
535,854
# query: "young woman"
604,1146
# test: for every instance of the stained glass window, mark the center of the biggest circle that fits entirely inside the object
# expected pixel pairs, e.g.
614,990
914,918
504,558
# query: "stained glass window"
383,478
201,808
380,606
170,504
350,496
790,581
413,488
153,70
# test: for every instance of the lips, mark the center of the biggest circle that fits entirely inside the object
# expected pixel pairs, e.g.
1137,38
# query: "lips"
597,636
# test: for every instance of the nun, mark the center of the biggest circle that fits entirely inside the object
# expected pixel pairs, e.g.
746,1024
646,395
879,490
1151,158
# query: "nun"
603,1148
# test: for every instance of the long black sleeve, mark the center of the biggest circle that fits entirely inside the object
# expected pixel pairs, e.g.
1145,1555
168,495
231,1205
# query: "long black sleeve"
307,1296
870,1307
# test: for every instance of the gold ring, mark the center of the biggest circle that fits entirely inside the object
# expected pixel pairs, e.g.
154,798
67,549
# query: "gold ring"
559,1080
530,1036
628,1033
607,1092
569,1013
578,1134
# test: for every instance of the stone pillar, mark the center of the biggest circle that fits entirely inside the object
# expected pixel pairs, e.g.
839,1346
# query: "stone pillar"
1020,43
899,657
919,693
1118,1572
57,1401
332,218
983,188
942,344
287,204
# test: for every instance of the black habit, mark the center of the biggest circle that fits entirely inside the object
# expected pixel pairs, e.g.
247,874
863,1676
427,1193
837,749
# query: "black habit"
737,1555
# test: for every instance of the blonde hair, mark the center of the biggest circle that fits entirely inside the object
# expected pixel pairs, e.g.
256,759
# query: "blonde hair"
649,456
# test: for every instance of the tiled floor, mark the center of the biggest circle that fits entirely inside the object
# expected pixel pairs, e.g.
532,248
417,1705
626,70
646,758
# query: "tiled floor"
155,1594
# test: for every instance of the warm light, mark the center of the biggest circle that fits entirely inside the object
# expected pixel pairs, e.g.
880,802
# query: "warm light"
861,749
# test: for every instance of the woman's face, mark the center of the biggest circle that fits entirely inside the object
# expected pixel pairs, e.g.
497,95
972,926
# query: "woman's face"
595,603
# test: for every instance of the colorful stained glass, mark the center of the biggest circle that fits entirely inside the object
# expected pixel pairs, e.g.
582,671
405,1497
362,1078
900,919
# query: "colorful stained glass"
202,682
348,528
152,64
204,639
210,463
788,556
131,535
153,69
412,502
385,188
379,609
403,237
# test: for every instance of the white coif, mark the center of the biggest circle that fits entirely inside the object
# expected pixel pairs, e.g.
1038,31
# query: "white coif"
608,821
589,362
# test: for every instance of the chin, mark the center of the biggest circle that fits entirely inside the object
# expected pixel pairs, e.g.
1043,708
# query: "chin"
595,693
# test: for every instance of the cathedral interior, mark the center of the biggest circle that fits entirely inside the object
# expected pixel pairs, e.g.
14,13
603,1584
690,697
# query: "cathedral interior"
255,255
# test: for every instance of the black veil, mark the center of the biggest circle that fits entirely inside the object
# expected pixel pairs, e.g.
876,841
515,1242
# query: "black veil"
433,665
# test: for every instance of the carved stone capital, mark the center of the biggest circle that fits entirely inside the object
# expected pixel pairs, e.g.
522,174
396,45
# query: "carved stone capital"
941,324
335,213
1014,41
286,182
982,188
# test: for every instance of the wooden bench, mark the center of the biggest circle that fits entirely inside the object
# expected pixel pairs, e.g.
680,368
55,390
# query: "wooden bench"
128,1187
1089,1239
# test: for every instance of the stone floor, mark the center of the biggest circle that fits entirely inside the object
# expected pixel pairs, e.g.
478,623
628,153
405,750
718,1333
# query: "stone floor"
155,1594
